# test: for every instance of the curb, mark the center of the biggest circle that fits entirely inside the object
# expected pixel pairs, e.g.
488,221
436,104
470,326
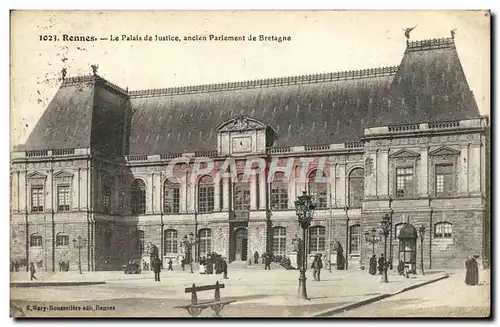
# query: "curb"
41,284
361,303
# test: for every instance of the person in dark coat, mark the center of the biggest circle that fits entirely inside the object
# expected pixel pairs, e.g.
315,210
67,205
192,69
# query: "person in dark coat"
170,264
472,273
32,271
340,257
256,257
157,268
16,265
182,264
373,265
401,268
317,265
267,262
381,263
224,267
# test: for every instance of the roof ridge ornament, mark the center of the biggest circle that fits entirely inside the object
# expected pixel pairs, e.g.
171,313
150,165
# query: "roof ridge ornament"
63,73
453,32
407,33
94,69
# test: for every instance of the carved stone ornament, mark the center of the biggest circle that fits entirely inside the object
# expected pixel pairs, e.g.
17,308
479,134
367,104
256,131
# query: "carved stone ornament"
368,166
240,123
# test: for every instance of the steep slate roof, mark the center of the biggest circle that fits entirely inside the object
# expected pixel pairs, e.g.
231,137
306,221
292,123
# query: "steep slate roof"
429,85
67,121
314,109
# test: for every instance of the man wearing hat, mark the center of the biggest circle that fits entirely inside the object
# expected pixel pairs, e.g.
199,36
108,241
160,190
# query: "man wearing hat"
472,273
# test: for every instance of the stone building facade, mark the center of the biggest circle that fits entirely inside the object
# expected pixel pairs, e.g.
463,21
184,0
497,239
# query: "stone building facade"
124,168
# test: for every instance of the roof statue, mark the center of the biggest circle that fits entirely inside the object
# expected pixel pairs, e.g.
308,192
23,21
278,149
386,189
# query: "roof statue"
63,73
94,69
453,32
408,31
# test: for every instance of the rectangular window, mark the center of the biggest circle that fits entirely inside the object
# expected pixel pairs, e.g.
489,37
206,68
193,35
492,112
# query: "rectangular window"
62,240
206,199
171,200
63,198
404,182
279,196
171,241
37,199
445,184
317,239
355,239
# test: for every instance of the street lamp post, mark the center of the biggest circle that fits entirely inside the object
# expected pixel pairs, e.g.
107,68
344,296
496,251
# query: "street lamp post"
371,237
386,224
79,243
304,209
421,232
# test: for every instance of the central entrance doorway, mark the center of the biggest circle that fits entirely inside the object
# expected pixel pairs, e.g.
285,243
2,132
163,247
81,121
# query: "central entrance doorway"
241,244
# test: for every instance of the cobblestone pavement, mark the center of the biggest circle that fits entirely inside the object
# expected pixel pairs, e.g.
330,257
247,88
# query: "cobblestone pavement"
259,293
446,298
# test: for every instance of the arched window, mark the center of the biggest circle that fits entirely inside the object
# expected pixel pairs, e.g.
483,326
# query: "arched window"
62,239
138,192
356,188
442,230
317,239
170,241
279,240
171,197
354,238
204,241
35,240
279,192
318,188
140,246
241,194
206,194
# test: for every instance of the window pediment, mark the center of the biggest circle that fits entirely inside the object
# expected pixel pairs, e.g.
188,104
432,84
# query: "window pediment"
37,176
64,175
240,123
444,151
403,154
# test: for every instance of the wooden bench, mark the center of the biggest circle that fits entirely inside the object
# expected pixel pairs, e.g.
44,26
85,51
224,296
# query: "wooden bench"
196,307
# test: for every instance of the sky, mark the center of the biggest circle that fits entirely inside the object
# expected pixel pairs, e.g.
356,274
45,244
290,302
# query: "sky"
321,41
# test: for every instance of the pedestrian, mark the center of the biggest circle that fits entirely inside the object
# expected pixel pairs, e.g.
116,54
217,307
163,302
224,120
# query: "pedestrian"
156,268
373,265
401,268
32,271
381,264
224,267
256,257
16,265
317,265
267,262
170,264
182,264
472,273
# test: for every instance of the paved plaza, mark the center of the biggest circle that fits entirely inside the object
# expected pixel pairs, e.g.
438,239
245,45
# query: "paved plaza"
258,293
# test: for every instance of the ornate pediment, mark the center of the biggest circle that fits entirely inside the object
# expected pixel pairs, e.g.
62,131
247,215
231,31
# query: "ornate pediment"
240,123
63,175
36,175
403,153
444,151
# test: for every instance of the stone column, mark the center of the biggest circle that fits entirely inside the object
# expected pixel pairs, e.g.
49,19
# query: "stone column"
475,169
149,194
74,190
14,191
84,190
331,184
382,171
217,194
225,194
262,191
463,167
370,184
23,192
49,191
157,192
341,195
423,176
294,187
253,192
